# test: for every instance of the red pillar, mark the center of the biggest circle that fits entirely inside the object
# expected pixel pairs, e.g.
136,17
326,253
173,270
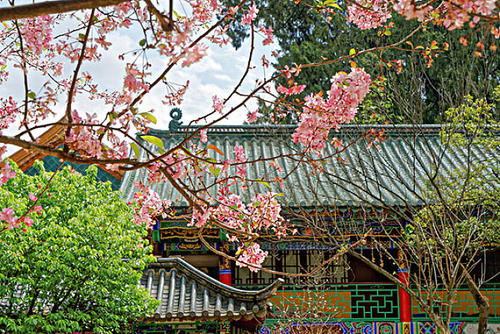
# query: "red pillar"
225,275
404,297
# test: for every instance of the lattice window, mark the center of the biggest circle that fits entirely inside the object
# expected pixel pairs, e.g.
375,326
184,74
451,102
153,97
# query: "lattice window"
294,261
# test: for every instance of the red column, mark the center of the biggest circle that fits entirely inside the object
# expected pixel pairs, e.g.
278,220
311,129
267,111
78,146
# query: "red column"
225,275
404,297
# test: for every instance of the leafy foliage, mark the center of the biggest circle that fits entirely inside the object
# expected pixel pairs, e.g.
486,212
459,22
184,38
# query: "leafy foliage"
77,267
463,206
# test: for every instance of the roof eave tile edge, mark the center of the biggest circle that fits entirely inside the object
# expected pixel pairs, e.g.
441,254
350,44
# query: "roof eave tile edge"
247,295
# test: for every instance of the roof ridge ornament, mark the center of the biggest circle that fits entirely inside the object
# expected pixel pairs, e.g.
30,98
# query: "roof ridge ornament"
175,123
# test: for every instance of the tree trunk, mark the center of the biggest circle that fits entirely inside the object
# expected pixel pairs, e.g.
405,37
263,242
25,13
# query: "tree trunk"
482,305
481,302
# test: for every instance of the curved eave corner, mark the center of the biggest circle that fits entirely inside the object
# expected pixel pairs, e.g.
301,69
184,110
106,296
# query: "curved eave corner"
187,293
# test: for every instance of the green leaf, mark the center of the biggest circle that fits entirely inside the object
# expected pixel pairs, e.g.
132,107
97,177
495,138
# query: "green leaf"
214,170
388,32
149,117
112,115
352,52
332,3
81,36
136,149
142,42
154,140
212,160
264,183
31,95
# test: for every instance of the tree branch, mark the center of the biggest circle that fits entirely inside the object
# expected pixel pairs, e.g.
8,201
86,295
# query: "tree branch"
55,152
52,7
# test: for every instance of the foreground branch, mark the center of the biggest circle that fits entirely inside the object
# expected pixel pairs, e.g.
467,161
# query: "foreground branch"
55,152
52,7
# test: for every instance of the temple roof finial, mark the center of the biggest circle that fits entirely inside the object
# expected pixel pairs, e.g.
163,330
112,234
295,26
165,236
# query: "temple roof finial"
175,123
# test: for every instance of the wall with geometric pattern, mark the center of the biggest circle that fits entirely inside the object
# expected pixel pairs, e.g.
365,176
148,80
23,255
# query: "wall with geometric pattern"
374,328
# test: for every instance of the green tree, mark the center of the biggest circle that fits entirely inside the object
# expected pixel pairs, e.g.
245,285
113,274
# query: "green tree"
419,94
78,266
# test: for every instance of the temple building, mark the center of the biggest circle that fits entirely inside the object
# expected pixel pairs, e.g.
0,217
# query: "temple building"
358,195
360,199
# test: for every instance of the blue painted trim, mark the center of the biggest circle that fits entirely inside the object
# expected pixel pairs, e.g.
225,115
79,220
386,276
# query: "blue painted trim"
224,271
402,270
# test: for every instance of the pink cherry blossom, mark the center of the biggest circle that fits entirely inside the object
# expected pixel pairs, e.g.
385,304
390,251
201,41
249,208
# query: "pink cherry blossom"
253,116
292,90
239,154
27,220
200,216
37,33
6,173
8,110
148,205
268,32
369,14
320,116
217,105
7,215
203,136
194,54
262,214
252,257
250,15
32,197
133,81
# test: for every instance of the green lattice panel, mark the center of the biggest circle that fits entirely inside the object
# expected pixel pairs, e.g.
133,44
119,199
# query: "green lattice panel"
374,303
464,308
340,302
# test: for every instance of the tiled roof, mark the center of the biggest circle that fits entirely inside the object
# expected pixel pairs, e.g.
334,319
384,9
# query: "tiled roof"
186,293
53,137
391,175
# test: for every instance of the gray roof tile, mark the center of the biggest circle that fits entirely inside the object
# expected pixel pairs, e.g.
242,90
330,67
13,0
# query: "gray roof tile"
186,292
391,175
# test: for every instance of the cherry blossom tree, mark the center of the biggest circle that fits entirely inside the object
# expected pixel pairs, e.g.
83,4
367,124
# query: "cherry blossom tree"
56,40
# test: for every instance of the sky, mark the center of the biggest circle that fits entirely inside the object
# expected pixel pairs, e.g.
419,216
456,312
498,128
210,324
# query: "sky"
216,74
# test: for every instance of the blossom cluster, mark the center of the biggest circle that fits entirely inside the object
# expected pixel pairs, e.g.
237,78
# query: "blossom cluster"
262,214
9,219
6,173
148,205
319,116
84,139
253,255
37,33
369,15
451,14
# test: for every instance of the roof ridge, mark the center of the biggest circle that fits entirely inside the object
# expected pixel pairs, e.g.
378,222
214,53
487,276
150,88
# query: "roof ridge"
288,128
